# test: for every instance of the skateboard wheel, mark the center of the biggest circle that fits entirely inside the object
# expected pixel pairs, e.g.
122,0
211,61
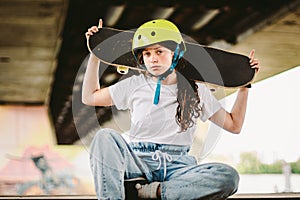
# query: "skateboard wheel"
122,70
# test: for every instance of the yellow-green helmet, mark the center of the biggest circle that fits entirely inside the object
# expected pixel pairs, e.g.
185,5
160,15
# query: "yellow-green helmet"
156,31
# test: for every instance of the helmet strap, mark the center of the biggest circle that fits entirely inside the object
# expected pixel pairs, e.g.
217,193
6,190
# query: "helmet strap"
157,92
177,55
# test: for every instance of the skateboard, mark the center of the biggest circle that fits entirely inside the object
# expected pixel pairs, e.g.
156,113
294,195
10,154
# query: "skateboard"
202,63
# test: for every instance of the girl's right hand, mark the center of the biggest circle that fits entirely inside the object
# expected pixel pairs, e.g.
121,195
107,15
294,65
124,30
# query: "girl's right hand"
93,29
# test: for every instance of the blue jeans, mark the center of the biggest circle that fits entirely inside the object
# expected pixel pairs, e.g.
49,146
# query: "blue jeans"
113,160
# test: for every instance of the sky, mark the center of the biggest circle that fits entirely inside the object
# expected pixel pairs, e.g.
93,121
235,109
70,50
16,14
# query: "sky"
271,126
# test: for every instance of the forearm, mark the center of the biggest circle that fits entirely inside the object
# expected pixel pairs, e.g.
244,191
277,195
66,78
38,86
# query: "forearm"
91,80
238,111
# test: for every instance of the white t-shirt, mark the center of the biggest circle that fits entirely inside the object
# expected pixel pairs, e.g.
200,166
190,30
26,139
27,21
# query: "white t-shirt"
157,123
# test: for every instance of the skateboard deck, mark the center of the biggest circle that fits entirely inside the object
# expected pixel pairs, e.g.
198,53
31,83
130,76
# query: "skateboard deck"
202,63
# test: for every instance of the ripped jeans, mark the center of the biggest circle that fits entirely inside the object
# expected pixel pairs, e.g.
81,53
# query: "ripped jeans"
113,160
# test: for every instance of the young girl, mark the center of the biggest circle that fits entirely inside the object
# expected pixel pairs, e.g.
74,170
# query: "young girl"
163,107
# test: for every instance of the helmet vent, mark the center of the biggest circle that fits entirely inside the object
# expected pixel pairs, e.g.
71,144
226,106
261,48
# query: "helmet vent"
153,33
139,37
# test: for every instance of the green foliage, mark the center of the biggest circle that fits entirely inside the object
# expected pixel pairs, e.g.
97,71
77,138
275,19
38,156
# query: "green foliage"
296,167
274,168
250,164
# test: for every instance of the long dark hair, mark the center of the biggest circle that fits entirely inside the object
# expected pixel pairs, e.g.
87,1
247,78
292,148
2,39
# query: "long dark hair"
188,108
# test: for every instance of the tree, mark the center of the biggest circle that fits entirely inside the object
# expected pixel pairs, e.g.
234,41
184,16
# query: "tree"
249,163
296,167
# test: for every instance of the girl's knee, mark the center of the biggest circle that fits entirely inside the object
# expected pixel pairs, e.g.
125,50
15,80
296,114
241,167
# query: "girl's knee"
105,131
104,143
102,138
224,177
230,179
105,134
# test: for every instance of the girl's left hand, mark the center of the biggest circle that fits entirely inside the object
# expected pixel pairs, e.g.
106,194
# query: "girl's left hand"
253,61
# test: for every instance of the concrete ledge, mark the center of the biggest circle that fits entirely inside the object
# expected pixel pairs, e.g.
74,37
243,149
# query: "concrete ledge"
92,197
56,197
267,196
